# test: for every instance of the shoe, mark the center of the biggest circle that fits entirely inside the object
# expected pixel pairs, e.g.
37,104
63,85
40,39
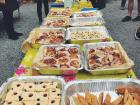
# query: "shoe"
13,38
122,8
137,34
126,19
18,34
136,19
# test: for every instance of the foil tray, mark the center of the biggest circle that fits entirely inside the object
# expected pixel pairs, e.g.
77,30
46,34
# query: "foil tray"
98,13
28,43
88,21
57,71
100,29
6,85
96,87
46,20
112,70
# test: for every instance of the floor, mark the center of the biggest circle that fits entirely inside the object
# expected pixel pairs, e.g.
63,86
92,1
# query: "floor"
10,53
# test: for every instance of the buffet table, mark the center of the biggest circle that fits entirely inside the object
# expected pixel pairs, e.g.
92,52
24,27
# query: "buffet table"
25,66
24,70
77,63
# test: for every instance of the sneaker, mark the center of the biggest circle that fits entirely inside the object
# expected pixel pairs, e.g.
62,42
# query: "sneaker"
122,8
137,34
136,19
13,38
18,34
126,19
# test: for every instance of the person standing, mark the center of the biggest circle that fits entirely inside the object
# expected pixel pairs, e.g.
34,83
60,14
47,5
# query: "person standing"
99,4
123,4
7,9
130,9
39,9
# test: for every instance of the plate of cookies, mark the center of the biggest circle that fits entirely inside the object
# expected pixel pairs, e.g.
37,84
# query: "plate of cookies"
32,91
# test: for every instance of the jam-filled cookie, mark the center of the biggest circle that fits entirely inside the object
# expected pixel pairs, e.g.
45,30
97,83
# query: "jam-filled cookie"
41,87
13,103
28,96
41,103
54,101
55,93
42,96
28,103
13,95
29,87
17,85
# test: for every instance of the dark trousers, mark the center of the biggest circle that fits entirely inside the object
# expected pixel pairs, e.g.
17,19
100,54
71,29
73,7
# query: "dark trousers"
100,4
139,7
39,8
8,21
7,10
123,3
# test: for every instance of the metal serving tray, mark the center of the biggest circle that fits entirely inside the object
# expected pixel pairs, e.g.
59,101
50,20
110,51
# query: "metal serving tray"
115,70
98,13
59,9
28,43
57,71
95,87
101,29
5,86
44,29
88,21
56,18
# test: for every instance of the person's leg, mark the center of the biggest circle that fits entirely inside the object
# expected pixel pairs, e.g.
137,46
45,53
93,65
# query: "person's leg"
46,7
39,10
94,3
9,27
130,9
8,21
138,16
138,7
123,4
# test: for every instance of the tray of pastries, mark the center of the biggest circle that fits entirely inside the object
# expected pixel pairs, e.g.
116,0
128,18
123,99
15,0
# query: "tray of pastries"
41,36
94,13
87,21
56,22
103,92
32,91
58,59
87,34
106,58
60,12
